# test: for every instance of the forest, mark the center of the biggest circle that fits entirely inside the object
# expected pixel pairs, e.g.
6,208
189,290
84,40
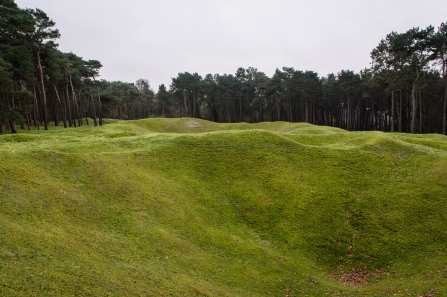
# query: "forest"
403,90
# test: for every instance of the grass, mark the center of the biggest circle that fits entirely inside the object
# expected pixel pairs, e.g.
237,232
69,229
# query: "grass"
185,207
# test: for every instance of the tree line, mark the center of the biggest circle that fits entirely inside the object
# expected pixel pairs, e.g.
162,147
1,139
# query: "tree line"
404,90
39,83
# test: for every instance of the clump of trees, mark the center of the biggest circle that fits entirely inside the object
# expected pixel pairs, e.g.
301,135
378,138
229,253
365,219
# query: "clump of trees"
39,83
404,90
127,100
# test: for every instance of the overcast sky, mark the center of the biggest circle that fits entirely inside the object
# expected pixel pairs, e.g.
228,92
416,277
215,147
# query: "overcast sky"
157,39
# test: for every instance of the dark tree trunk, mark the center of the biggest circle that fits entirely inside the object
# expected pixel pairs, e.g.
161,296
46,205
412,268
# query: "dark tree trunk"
42,86
278,109
129,107
306,115
92,107
392,111
36,110
194,106
68,103
240,110
420,112
55,109
84,112
99,103
64,109
444,109
13,127
348,117
414,102
400,111
28,120
76,109
185,101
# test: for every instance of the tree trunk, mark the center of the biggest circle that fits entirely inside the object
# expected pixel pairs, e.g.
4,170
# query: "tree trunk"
12,124
42,86
82,110
36,110
444,109
194,106
184,101
400,111
306,116
77,110
392,111
99,103
365,118
92,107
64,109
414,102
348,119
373,114
358,116
240,109
28,120
70,114
278,109
289,107
420,111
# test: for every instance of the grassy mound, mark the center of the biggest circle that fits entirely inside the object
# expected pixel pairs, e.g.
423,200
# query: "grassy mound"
185,207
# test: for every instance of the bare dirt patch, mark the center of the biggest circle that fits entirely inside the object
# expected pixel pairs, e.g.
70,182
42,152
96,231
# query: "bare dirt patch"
192,124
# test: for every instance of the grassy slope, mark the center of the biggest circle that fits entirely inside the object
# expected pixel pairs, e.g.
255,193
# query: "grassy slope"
154,208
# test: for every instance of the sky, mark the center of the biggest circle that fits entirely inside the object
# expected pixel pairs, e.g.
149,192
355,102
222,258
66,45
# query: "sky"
157,39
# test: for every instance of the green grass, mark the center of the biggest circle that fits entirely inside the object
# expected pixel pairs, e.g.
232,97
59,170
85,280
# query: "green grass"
185,207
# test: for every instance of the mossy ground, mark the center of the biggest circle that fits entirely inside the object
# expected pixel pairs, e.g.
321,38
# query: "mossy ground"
184,207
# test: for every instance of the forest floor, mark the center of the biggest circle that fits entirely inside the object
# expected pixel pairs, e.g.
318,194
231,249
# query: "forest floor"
186,207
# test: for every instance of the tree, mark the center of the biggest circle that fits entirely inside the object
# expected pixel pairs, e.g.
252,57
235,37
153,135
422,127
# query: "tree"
43,36
439,54
277,94
34,74
147,96
404,54
416,42
246,94
188,87
163,99
311,91
94,66
349,83
16,63
260,84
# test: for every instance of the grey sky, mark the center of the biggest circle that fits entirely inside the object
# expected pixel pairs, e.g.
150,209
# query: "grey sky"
157,39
